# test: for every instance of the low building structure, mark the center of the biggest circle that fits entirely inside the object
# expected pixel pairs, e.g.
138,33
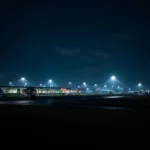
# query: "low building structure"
40,91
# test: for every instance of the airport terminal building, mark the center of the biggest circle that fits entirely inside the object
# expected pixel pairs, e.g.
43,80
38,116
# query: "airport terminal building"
40,90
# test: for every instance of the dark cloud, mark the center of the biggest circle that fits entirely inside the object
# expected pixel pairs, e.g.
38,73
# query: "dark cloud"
90,55
103,54
125,36
92,72
69,52
98,54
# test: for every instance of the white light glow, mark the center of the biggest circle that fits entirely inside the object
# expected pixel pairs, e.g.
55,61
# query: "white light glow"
139,84
23,79
84,83
113,78
50,81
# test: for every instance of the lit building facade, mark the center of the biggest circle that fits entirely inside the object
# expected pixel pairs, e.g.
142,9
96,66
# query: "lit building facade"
40,91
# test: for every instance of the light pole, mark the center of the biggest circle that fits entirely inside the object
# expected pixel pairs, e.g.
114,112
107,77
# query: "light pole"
95,85
84,84
113,79
23,81
140,86
10,83
50,82
69,84
105,86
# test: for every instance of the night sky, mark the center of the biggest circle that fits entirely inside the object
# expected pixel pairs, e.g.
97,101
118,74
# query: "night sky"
75,41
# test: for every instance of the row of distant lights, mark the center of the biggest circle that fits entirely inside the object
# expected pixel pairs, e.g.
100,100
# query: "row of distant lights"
113,78
25,82
22,79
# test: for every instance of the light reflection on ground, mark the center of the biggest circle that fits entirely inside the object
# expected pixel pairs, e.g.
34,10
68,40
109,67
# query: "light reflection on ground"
50,102
114,97
28,102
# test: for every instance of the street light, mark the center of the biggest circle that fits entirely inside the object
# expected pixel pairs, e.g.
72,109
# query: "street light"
50,82
105,86
139,85
84,84
113,79
10,83
40,84
23,79
95,84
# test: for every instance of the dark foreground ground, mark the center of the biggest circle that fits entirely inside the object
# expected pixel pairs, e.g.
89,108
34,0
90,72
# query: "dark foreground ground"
78,115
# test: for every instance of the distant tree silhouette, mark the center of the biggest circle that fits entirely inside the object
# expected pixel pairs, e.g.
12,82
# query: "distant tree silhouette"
1,91
24,91
1,94
31,91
